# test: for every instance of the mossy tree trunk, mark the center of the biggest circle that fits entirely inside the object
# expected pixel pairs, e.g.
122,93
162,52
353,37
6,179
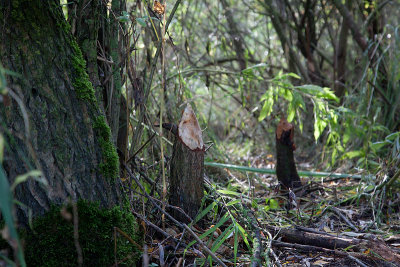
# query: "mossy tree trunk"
64,133
101,38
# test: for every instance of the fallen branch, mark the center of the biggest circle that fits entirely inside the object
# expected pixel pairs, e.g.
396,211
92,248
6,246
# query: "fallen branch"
345,219
321,242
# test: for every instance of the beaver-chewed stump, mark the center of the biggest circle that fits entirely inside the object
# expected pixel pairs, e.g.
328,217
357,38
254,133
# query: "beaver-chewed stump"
187,167
285,165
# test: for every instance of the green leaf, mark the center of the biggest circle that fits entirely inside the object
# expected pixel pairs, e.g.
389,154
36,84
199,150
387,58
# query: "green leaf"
141,21
125,17
392,136
378,145
205,211
268,104
293,75
353,154
220,240
235,244
318,91
319,126
228,192
291,112
287,94
211,230
257,66
233,202
243,233
6,203
35,174
273,204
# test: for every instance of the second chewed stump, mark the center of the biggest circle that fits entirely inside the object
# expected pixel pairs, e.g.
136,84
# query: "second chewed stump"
285,165
187,166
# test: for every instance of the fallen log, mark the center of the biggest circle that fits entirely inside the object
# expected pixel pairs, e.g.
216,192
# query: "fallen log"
369,245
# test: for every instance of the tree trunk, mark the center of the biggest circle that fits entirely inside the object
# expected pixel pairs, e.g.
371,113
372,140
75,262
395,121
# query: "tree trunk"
187,167
285,165
61,129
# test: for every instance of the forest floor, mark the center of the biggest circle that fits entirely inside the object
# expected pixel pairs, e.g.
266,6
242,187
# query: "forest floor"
246,220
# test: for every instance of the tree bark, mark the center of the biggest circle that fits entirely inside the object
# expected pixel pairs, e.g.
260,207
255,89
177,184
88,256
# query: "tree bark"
187,167
64,133
340,62
285,165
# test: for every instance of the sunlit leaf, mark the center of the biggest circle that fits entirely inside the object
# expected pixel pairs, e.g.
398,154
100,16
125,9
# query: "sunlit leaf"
268,104
228,192
322,92
291,113
233,202
353,154
273,204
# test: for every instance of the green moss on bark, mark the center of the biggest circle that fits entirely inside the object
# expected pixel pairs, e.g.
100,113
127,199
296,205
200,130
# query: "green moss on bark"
81,82
51,241
84,90
110,165
83,86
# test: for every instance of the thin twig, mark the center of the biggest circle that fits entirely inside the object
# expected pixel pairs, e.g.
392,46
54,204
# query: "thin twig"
128,238
181,225
344,218
76,234
357,261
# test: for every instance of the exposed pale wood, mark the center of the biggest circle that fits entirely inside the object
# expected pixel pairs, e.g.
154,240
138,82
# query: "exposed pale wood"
187,166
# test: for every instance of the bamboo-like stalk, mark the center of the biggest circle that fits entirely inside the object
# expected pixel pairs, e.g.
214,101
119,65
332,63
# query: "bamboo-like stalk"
163,89
272,171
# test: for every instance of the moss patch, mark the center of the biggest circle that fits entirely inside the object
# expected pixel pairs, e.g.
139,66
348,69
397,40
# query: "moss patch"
81,82
84,88
51,243
110,165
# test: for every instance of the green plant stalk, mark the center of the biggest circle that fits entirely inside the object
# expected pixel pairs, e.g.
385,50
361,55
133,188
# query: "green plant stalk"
163,89
6,207
148,82
272,171
151,21
154,61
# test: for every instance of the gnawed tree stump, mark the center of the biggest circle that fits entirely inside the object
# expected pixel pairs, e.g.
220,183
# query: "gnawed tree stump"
285,165
187,166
